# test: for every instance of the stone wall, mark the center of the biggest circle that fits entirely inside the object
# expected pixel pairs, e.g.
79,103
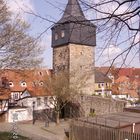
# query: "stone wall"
101,105
82,62
79,61
60,58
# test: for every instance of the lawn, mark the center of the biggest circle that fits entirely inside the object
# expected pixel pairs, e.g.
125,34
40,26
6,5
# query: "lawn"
8,136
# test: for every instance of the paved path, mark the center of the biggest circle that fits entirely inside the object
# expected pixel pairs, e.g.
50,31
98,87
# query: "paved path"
38,131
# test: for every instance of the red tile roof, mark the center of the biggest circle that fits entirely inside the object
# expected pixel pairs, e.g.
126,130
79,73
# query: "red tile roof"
34,81
124,75
4,94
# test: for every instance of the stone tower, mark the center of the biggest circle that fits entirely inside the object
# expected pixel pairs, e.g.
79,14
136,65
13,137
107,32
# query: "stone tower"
73,43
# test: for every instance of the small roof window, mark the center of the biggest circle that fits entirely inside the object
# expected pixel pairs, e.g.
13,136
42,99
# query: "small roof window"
62,33
11,84
41,83
23,84
40,73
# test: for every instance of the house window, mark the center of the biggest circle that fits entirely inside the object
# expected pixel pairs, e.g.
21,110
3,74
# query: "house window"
15,96
11,84
92,110
56,36
62,33
82,98
99,86
46,101
23,84
51,99
38,101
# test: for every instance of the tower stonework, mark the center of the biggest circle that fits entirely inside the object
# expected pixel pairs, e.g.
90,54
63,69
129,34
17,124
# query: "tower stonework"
73,43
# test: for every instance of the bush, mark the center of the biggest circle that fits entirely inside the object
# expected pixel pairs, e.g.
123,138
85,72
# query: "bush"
8,136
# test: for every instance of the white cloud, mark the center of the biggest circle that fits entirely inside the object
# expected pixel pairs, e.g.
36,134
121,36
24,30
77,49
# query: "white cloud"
111,51
108,55
18,7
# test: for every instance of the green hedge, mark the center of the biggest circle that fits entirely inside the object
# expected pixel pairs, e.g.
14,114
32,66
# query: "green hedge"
9,136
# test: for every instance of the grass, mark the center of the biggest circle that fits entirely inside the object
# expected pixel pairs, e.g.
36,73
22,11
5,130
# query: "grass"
9,136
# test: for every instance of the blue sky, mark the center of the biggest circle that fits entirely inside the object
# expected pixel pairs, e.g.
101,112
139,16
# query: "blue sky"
53,10
49,11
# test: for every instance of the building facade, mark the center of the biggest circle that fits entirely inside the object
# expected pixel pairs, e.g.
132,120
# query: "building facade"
103,84
24,91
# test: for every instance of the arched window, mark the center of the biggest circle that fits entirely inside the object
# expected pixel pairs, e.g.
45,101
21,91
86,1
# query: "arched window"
62,33
56,36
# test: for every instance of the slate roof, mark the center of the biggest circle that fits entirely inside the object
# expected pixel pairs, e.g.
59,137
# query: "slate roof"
101,77
77,29
73,9
73,12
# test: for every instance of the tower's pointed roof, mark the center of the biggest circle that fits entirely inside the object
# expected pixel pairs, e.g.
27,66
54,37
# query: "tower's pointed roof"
77,29
73,9
72,12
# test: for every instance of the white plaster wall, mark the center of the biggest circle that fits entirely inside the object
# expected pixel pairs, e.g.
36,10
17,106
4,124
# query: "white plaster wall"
120,96
4,106
28,102
23,114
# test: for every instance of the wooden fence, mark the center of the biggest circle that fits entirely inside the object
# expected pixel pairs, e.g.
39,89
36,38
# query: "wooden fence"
86,131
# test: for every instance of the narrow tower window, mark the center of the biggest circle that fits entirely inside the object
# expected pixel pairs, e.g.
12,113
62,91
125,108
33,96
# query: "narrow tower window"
62,33
56,36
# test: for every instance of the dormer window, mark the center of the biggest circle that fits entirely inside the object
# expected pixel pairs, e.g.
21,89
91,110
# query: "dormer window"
34,84
56,36
23,84
41,83
40,73
62,33
11,84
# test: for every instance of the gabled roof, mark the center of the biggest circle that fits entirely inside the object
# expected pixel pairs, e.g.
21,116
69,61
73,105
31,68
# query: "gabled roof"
4,94
103,69
32,78
101,77
122,79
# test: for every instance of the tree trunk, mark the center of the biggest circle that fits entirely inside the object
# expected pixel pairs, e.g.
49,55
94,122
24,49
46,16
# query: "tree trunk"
57,117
